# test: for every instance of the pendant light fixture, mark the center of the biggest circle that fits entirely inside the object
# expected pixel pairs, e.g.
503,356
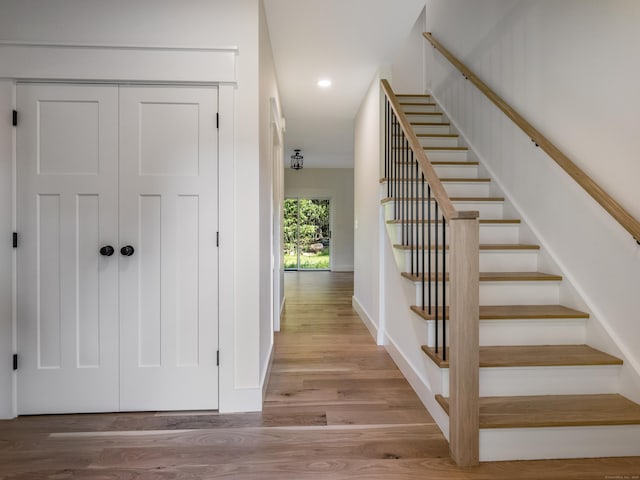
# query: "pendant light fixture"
296,160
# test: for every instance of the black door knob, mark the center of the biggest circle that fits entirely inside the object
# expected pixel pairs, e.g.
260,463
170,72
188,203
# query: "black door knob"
127,250
107,251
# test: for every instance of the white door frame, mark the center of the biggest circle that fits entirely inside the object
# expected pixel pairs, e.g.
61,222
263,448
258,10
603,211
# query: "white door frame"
38,62
277,201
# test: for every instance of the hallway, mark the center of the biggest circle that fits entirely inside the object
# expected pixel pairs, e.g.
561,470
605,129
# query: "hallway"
327,367
336,408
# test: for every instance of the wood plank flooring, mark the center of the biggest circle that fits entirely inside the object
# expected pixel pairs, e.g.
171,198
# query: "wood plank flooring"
336,408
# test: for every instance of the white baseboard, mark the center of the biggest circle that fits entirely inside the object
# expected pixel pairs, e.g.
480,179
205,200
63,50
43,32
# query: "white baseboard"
366,318
342,268
266,374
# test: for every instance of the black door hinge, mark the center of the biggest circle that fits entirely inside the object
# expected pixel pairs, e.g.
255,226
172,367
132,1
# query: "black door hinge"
14,119
217,120
15,239
218,358
217,239
15,361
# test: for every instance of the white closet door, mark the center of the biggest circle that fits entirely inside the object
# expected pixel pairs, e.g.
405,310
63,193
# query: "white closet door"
67,210
169,215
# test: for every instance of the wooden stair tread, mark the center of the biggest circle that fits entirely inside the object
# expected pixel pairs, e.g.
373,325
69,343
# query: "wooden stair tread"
534,356
431,124
444,180
454,163
437,135
420,95
483,221
554,411
462,149
496,277
418,104
483,247
453,199
513,312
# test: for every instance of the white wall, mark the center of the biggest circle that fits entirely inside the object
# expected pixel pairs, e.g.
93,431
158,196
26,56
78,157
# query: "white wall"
569,67
337,184
367,251
407,68
269,181
201,23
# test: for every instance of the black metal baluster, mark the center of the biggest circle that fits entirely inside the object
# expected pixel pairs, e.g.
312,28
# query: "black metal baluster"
386,144
413,215
395,166
418,217
444,289
435,278
422,241
405,188
429,227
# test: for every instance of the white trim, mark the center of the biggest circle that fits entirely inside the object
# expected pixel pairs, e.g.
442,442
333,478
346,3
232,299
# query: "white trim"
342,268
266,373
109,63
116,46
14,266
366,318
227,287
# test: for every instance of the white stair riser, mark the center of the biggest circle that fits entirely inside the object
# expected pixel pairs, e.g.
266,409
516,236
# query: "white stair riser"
426,118
415,99
504,293
533,332
489,233
490,260
471,189
411,210
523,332
559,442
446,155
431,129
456,171
419,108
439,141
454,189
518,381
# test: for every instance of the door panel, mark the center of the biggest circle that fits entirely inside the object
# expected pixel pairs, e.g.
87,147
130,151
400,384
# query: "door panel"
108,165
67,208
168,287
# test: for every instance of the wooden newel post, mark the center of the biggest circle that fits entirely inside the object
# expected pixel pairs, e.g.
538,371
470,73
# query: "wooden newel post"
464,356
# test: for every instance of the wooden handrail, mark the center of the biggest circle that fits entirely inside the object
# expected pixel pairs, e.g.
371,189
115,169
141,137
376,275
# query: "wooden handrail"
438,191
607,202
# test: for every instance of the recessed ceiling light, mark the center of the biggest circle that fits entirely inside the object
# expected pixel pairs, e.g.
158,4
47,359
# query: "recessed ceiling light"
324,83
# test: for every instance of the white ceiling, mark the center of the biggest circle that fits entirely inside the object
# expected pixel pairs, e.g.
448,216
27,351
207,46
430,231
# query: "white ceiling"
344,40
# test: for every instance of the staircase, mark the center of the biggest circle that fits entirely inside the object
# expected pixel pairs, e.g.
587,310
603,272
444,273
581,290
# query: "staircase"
544,392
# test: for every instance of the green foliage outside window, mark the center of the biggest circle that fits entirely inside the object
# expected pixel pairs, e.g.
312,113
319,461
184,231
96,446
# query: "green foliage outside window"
312,233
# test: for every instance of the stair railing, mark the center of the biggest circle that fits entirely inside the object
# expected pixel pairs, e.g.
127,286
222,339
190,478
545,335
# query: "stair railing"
427,217
617,211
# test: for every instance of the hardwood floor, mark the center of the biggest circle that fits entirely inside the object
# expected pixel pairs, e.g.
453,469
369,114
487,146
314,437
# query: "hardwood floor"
336,408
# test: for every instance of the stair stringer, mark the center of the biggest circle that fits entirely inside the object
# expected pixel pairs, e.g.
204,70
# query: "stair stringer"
600,333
